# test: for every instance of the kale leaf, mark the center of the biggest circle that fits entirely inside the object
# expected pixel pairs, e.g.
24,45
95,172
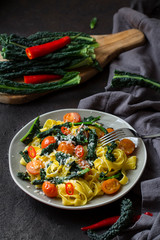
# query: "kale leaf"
92,144
109,154
62,157
25,156
49,148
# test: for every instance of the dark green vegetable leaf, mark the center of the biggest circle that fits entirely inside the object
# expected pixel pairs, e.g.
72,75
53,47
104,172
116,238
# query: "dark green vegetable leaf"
11,87
49,149
34,129
109,155
93,23
62,157
126,79
25,156
54,130
92,144
103,176
59,180
122,223
23,176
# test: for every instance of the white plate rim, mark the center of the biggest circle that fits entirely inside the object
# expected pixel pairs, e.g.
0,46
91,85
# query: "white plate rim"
53,202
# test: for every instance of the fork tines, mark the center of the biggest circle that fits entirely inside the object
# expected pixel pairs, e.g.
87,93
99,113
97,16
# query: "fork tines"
110,137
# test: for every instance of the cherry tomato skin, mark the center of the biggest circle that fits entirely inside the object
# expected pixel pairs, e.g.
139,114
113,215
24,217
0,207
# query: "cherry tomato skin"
66,147
49,189
69,188
109,130
83,163
31,152
34,167
72,117
65,130
111,186
127,146
79,151
47,141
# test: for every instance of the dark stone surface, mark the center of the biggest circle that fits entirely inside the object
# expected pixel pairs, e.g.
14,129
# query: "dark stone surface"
21,216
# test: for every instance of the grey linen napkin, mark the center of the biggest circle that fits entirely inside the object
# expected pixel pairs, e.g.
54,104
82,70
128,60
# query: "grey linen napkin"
140,107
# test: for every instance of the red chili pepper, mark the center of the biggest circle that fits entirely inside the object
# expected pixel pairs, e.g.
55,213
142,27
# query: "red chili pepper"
79,151
69,188
34,79
31,152
110,221
65,130
46,48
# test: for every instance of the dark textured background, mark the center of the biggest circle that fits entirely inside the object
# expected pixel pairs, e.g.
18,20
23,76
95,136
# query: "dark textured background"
21,217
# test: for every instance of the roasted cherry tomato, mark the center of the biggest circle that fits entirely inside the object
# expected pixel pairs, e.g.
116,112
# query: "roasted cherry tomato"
109,130
65,130
72,117
34,167
127,146
69,188
49,189
83,163
31,152
111,186
47,141
66,147
79,151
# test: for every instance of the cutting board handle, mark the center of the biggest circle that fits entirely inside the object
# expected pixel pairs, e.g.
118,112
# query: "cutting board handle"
113,44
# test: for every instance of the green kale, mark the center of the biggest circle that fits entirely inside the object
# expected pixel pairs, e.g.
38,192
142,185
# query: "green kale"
109,154
25,156
34,129
42,173
74,167
103,176
23,176
121,224
62,157
49,148
81,137
59,180
126,79
92,144
93,23
91,119
56,129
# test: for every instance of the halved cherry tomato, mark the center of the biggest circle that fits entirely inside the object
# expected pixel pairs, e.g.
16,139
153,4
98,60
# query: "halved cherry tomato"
127,146
79,151
111,186
109,130
72,117
66,147
49,189
34,167
69,188
65,130
31,152
47,141
83,163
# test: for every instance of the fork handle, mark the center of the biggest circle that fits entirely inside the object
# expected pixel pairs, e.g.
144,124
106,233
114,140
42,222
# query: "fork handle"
151,136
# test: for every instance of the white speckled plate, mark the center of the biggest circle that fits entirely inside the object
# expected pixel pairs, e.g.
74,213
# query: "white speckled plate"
109,121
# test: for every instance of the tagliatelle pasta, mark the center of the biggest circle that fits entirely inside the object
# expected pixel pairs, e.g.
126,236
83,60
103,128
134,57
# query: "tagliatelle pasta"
60,165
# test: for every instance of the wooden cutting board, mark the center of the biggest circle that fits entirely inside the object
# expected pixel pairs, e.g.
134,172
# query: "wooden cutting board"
110,46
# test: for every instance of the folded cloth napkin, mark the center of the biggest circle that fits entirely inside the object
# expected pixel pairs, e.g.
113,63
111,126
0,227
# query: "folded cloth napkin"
140,107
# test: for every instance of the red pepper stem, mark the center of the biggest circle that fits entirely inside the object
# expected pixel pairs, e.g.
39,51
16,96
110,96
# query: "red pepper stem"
110,221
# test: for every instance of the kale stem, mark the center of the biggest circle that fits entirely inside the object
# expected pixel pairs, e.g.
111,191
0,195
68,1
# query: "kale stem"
18,45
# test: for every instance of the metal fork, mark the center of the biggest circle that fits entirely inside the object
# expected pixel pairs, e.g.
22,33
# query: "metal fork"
122,133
